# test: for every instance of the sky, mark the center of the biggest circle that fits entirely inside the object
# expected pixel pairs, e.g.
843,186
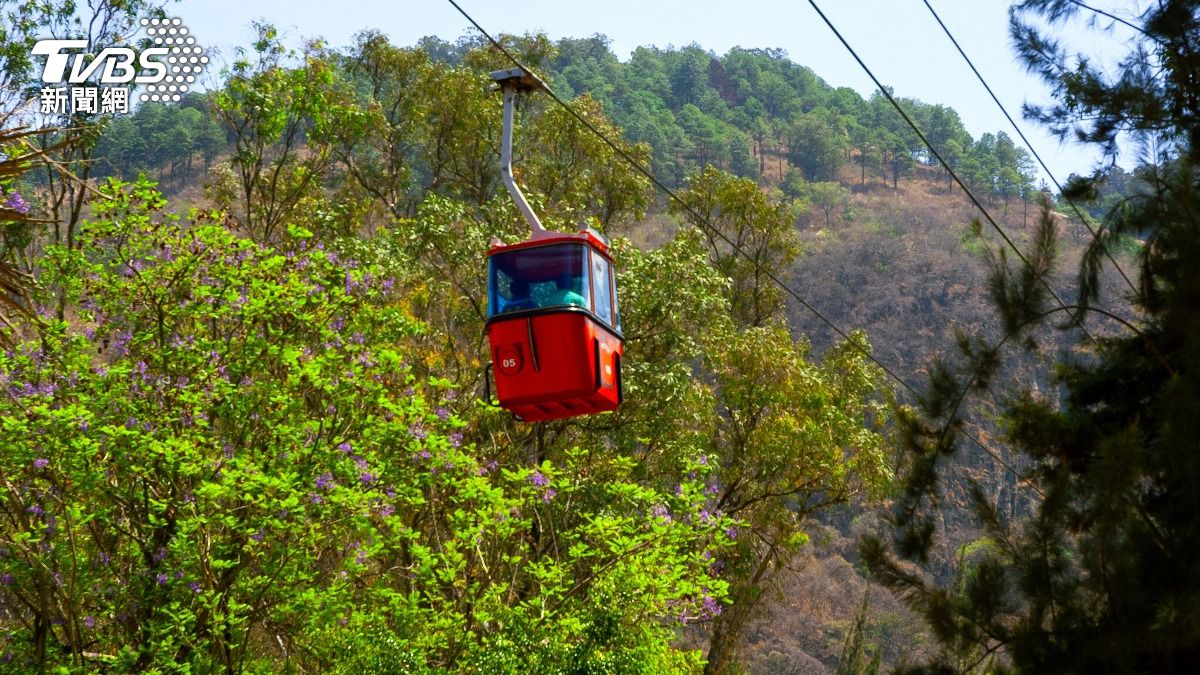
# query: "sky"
898,39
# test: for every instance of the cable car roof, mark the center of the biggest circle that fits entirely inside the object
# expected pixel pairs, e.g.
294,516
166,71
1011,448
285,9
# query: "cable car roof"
585,236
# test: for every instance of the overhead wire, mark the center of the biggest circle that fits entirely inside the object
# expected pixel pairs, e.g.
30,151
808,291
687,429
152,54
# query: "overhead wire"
946,165
1095,234
637,166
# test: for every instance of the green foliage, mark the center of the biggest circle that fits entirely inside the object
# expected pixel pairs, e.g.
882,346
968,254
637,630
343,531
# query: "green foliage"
1101,574
734,215
258,443
236,465
831,197
160,137
281,119
815,147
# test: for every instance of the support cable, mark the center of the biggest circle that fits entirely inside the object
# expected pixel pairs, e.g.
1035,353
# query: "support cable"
632,161
946,165
1095,233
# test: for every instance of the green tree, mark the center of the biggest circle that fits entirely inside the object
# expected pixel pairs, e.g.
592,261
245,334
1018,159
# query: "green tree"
281,119
792,438
815,147
732,212
1102,575
829,197
236,441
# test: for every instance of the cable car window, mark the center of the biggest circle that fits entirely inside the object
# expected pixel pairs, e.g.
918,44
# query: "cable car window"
616,308
600,288
532,278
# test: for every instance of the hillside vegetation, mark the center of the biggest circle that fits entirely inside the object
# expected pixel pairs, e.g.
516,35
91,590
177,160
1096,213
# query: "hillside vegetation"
247,418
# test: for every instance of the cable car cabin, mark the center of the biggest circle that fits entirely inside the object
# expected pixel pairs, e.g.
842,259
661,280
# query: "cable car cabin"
553,325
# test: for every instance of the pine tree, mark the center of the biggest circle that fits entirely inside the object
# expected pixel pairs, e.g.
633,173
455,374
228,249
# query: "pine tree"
1103,575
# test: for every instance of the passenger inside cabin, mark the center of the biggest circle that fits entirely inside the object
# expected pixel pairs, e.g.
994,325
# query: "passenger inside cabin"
566,292
518,296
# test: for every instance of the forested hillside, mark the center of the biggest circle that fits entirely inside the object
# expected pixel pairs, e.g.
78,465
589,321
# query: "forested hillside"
244,357
753,113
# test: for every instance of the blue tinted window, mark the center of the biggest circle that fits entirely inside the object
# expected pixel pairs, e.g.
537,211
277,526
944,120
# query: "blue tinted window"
601,286
542,276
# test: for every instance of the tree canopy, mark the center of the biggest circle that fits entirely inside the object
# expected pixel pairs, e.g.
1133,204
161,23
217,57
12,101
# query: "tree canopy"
1102,574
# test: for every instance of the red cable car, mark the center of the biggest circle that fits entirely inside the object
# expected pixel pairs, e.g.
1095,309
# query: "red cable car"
553,324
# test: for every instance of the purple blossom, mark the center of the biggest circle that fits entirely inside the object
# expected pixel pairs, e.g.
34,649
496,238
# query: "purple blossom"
710,606
17,203
443,413
159,555
162,578
6,579
324,481
548,495
367,478
120,341
35,510
337,325
83,424
258,536
193,586
660,511
89,622
539,479
386,510
41,463
418,431
731,532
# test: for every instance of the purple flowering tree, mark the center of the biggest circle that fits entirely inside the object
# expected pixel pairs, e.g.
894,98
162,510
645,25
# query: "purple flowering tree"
228,441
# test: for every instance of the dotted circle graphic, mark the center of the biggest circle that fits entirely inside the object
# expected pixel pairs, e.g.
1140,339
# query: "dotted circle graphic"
186,58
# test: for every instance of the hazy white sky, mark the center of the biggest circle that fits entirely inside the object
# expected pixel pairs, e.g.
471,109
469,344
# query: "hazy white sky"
898,39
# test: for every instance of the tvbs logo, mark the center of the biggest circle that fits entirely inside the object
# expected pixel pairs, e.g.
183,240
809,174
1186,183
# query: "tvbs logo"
167,70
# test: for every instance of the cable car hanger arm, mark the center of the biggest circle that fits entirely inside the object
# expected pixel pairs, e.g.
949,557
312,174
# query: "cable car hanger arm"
512,82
